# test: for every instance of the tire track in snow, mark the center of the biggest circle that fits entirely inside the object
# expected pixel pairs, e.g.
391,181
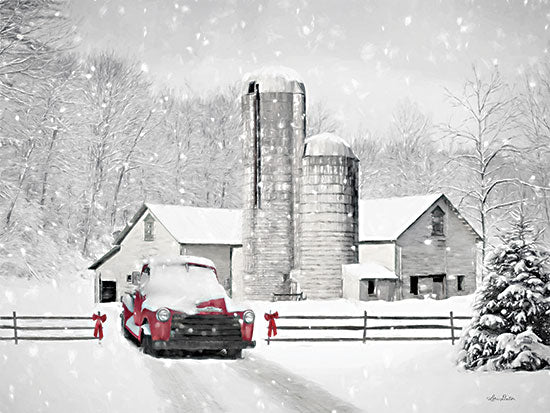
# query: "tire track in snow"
294,392
208,385
250,384
178,385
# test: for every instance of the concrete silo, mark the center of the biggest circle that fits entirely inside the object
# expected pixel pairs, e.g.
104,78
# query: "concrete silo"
328,215
273,105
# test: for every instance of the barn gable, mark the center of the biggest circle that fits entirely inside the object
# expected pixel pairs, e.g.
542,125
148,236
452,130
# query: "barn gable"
386,219
187,225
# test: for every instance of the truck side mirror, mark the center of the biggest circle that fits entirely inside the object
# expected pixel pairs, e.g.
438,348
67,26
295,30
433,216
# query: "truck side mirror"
135,277
144,277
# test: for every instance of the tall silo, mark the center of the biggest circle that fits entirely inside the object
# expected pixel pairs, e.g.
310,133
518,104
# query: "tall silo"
274,121
328,215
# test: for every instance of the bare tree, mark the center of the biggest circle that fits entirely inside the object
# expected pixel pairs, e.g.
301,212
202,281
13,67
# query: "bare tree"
181,123
320,120
413,160
482,144
220,146
535,124
112,95
32,36
405,159
368,149
32,33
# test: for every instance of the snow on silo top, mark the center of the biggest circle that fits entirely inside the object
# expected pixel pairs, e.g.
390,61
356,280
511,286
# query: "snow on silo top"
274,79
327,144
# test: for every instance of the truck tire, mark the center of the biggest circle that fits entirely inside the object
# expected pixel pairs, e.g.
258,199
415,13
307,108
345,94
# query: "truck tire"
147,344
235,354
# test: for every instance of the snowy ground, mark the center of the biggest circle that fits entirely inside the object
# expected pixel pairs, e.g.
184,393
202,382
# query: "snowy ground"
83,376
376,376
401,376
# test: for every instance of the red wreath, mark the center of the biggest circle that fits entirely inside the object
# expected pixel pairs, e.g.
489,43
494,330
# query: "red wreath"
99,320
272,327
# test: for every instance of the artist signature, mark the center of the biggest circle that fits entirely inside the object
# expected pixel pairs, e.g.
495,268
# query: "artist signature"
502,398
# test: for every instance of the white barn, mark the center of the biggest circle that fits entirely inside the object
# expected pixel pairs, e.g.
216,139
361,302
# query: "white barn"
169,230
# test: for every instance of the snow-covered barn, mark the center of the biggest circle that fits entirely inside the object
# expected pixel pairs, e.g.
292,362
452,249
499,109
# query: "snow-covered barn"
411,247
169,230
408,247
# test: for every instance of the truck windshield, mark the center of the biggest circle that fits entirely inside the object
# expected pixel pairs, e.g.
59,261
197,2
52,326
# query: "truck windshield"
181,286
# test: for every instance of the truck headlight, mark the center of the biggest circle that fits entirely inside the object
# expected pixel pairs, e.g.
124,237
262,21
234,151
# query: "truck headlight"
163,315
248,316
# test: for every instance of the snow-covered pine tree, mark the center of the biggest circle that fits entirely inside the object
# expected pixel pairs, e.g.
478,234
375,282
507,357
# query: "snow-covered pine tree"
510,328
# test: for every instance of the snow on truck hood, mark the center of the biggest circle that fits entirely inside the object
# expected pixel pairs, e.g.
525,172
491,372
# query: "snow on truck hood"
181,288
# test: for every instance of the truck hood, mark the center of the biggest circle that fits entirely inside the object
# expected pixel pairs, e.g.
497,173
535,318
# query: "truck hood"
182,291
182,305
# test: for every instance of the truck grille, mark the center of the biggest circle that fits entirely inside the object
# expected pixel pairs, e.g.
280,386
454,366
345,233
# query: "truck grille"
205,327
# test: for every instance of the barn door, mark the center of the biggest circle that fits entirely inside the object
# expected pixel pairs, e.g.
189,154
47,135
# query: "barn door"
108,291
438,288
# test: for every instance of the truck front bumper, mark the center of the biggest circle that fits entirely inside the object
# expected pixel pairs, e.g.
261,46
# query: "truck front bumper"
197,345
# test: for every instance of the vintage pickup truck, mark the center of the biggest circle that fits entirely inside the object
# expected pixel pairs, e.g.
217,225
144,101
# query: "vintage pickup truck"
179,304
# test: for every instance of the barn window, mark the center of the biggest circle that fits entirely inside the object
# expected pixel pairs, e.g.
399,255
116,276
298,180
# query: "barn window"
460,283
437,221
414,285
149,228
370,287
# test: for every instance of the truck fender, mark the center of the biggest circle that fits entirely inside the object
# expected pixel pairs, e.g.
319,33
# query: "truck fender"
146,329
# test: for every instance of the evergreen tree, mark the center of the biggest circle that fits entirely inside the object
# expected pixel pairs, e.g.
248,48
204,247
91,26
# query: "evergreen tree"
511,324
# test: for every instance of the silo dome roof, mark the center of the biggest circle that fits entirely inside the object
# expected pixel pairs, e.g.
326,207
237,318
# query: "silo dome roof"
327,144
274,79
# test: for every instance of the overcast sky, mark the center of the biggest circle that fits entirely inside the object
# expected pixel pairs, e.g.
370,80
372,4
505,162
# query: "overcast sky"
360,57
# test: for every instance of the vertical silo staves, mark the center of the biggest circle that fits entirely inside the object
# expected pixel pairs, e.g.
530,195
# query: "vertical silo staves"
274,122
328,215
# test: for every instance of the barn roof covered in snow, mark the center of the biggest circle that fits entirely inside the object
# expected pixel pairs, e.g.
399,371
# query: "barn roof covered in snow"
194,225
327,144
188,225
379,220
386,219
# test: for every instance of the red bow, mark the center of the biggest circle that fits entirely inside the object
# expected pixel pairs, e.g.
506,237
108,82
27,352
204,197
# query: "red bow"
272,327
99,320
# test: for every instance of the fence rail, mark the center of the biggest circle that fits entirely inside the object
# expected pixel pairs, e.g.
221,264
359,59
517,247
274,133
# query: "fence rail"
16,328
451,327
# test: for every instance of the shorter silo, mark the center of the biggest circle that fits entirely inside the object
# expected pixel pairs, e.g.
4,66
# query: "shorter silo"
328,215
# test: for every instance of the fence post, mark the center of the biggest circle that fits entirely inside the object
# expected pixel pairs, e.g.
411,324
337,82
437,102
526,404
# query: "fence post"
365,328
452,329
15,327
268,337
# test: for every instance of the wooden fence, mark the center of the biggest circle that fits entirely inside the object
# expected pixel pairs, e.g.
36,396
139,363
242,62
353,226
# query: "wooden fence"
17,328
437,324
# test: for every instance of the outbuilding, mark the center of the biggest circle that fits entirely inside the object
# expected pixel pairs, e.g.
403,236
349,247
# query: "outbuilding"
169,230
423,240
